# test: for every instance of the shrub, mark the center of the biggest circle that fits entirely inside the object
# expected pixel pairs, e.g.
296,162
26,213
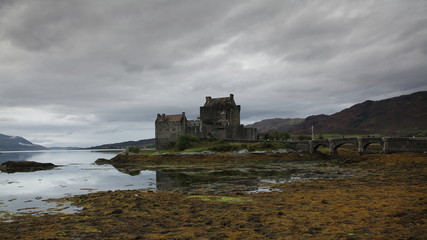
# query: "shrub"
134,150
267,146
277,135
303,137
223,148
420,134
185,141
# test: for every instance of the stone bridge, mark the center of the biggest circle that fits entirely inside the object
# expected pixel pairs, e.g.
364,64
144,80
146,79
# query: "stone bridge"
388,144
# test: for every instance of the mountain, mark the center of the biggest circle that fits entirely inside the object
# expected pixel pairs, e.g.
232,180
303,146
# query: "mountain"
14,143
275,124
145,143
398,116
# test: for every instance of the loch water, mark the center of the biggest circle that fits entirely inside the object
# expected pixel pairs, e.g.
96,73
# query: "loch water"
27,192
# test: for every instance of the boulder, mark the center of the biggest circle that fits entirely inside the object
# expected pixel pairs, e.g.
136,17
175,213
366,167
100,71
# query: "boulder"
284,151
242,152
25,166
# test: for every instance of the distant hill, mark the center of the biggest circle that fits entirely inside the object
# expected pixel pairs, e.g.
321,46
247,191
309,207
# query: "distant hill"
403,115
275,124
64,148
15,143
146,143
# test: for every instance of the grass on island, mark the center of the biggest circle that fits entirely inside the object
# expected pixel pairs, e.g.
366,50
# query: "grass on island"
187,143
196,145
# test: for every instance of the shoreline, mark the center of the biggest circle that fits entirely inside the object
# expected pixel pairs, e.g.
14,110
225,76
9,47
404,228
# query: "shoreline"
388,202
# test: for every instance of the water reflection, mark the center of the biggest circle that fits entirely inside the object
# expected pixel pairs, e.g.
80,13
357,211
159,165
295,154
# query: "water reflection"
231,178
17,156
26,192
77,174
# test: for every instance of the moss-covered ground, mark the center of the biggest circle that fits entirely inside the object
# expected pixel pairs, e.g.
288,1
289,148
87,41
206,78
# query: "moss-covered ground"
389,201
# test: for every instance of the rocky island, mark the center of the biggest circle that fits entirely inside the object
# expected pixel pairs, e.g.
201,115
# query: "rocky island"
25,166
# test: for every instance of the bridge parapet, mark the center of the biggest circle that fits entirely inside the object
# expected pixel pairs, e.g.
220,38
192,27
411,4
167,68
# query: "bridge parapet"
303,146
395,145
389,144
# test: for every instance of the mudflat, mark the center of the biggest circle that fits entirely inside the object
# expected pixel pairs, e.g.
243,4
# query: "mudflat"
384,198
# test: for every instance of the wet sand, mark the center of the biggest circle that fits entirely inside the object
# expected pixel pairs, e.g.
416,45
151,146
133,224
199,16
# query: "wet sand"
387,200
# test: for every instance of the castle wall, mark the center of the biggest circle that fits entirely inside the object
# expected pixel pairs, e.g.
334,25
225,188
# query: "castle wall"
168,132
194,128
219,119
211,115
248,134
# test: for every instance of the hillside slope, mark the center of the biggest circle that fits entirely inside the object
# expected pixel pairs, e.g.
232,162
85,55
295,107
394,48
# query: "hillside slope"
403,115
275,124
145,143
14,143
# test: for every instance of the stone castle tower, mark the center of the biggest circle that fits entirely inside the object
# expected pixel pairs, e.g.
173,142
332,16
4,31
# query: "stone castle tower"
219,119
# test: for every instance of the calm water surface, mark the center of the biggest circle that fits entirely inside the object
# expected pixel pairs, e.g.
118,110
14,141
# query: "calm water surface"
76,174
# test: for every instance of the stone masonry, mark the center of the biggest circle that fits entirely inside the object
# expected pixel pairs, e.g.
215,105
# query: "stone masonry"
219,119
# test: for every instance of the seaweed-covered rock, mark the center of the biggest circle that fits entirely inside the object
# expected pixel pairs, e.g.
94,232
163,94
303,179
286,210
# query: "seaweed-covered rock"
102,161
196,153
25,166
284,151
242,152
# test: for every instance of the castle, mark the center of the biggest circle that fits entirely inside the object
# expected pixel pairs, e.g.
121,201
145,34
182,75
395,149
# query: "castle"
219,119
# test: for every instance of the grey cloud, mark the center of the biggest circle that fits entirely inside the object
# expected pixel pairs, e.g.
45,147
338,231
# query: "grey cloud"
122,62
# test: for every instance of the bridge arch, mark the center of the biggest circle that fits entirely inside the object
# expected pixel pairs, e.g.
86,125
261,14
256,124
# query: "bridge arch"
334,149
388,145
315,144
338,142
366,141
315,148
365,147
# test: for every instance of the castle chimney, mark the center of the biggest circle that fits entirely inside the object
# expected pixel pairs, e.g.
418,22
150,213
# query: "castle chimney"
158,115
208,98
183,113
231,96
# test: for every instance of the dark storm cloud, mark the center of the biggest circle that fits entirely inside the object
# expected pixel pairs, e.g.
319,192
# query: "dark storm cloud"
102,70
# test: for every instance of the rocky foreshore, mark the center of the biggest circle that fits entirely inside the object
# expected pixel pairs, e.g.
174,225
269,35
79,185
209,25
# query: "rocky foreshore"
387,201
205,157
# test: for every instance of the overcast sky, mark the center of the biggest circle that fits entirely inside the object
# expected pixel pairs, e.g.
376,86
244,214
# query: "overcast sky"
88,72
